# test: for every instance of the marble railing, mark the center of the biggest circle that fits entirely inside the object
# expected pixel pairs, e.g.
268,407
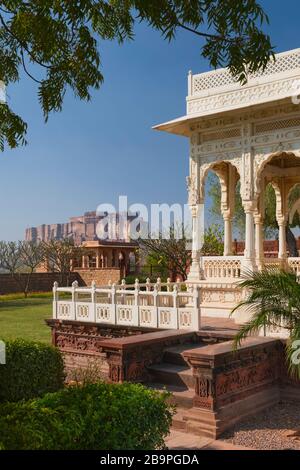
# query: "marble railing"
230,267
164,306
294,265
218,91
221,78
221,267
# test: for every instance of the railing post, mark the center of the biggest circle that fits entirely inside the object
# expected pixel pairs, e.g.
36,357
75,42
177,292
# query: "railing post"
155,302
55,299
113,304
93,298
109,286
74,298
123,287
136,300
197,311
159,284
148,285
175,304
169,285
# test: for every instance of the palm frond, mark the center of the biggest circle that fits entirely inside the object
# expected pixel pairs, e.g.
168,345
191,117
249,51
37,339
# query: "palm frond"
272,299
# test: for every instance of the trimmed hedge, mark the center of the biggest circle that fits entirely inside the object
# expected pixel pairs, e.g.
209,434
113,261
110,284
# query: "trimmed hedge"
31,370
96,417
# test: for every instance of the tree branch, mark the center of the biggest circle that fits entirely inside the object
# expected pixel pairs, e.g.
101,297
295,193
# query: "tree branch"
23,45
26,71
207,35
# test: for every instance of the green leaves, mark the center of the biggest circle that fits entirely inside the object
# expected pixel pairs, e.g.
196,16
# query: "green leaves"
95,417
273,300
213,241
12,128
61,38
31,370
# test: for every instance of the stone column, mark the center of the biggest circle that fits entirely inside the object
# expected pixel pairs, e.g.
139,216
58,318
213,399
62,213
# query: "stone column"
282,252
195,273
98,260
249,254
259,242
227,234
84,265
228,179
281,190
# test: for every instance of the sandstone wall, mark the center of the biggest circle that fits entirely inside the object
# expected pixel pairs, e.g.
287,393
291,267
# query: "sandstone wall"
40,282
43,282
101,276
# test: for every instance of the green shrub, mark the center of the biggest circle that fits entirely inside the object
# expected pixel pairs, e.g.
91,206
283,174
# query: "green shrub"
96,417
31,370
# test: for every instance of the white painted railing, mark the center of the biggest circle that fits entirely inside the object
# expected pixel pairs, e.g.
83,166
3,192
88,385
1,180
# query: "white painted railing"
157,305
294,265
276,263
221,267
230,267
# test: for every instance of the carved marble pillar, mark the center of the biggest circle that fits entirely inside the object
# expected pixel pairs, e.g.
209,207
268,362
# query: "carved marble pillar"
248,197
259,241
282,251
195,273
259,224
228,178
227,234
249,253
196,207
281,192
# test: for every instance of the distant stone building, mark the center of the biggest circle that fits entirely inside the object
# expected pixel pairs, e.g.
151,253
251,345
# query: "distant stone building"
83,228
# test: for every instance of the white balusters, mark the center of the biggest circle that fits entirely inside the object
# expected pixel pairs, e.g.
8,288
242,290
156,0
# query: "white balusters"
222,267
148,285
146,305
55,299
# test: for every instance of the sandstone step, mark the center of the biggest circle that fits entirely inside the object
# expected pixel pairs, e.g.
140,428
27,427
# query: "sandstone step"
174,354
200,417
178,423
201,430
182,422
172,374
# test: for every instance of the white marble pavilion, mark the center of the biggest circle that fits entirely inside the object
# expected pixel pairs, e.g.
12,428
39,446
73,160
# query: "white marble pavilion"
249,133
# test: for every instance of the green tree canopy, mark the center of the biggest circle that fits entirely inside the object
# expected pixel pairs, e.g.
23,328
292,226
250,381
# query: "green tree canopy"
57,43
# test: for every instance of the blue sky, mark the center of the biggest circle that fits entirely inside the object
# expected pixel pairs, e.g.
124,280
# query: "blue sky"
93,152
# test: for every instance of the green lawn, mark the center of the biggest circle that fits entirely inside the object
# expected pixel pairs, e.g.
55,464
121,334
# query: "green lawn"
24,318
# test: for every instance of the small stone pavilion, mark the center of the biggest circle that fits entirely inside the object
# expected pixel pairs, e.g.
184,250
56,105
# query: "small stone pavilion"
251,134
101,254
174,336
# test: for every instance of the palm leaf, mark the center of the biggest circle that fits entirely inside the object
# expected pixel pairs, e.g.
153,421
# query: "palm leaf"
273,299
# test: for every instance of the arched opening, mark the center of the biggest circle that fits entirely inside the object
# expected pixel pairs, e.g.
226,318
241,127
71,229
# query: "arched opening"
224,210
279,179
271,233
293,227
